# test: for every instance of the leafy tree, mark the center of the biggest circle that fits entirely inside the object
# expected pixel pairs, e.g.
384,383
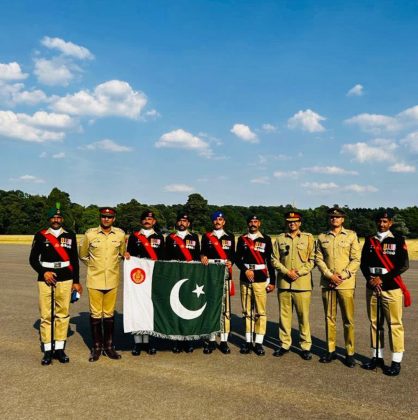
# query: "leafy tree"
198,210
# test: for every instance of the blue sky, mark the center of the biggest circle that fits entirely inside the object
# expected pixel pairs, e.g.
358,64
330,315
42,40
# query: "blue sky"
244,102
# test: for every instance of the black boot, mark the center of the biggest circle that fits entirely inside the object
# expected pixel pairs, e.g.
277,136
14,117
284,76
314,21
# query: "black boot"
47,358
136,350
393,370
149,348
259,349
224,348
245,348
108,348
97,334
373,364
209,347
328,357
61,356
176,347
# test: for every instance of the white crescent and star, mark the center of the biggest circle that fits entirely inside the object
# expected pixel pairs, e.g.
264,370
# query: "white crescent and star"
178,308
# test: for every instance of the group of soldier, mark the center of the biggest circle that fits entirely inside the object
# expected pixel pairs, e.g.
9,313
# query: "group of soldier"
286,265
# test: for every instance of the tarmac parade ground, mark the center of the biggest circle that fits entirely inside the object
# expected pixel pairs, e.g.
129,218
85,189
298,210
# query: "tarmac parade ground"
193,385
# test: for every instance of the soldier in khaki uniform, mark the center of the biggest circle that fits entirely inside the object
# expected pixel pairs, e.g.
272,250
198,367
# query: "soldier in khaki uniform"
337,256
102,250
293,257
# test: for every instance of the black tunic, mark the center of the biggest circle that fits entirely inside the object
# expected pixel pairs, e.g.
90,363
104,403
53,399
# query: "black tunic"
137,249
43,251
394,247
173,252
244,256
227,242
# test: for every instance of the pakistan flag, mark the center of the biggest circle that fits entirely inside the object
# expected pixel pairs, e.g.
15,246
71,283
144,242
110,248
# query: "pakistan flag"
170,299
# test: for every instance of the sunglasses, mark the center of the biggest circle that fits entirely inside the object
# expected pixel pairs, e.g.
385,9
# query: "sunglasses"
106,217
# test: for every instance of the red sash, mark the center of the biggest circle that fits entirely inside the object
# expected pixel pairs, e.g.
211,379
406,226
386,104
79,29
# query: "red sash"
214,240
145,242
180,243
57,247
388,264
256,254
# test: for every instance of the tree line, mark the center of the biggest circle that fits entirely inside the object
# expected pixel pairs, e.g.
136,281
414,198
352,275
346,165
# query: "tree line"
22,213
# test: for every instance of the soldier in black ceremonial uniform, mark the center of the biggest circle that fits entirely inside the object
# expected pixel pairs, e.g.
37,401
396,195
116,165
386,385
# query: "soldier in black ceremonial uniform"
257,278
54,257
145,243
384,258
218,247
182,245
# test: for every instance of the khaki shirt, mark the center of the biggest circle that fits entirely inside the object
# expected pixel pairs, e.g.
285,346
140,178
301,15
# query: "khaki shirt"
338,254
102,254
294,254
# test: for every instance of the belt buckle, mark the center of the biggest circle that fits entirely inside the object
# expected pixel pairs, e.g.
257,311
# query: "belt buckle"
251,266
57,265
378,270
218,261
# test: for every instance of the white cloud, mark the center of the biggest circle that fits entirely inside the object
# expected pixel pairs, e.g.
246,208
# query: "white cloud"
360,188
269,128
363,152
244,132
45,119
409,114
30,178
181,139
402,168
178,188
107,145
67,48
24,127
329,170
356,90
30,97
60,155
112,98
11,71
55,72
152,114
320,186
411,142
377,123
13,94
374,123
327,187
260,180
307,121
286,174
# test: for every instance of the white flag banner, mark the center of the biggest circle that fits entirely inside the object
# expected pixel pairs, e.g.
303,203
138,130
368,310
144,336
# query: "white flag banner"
138,309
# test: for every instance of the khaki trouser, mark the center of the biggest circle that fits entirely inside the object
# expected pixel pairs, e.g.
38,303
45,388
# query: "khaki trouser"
345,299
257,317
301,302
61,310
102,302
392,301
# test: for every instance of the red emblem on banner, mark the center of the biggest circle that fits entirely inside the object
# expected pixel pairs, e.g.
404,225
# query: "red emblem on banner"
138,275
